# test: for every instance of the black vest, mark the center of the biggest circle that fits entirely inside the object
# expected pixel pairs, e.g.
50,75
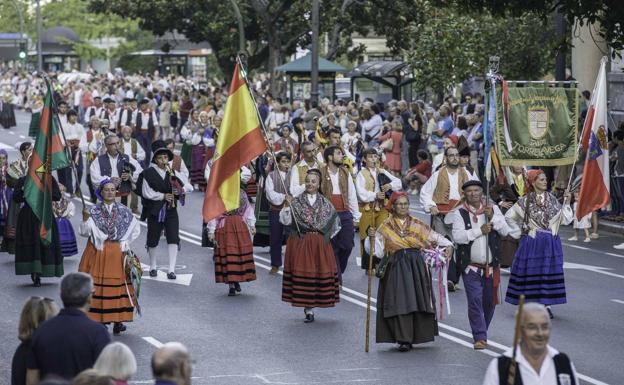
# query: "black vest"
139,124
123,161
463,251
158,184
562,366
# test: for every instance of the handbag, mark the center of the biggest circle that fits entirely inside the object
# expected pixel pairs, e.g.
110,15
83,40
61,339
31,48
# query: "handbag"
380,270
387,145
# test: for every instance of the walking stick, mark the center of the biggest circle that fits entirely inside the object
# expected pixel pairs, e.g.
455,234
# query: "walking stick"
368,295
513,365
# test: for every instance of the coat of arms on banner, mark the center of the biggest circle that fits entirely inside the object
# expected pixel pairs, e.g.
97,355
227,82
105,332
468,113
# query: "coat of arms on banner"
538,122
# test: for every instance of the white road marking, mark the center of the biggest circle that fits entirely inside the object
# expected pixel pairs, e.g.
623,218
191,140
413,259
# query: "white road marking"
595,269
11,133
5,146
22,137
153,341
181,279
618,301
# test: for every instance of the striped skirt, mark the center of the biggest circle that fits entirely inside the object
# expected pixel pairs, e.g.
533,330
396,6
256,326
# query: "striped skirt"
537,271
111,302
67,237
197,164
233,252
310,272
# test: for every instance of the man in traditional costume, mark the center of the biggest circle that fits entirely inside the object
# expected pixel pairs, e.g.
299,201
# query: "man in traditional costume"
146,128
441,194
111,228
96,110
277,190
110,114
131,147
374,186
92,143
162,191
477,231
310,270
299,170
337,185
73,133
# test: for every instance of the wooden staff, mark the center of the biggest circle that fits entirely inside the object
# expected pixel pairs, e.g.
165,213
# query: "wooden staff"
368,295
513,365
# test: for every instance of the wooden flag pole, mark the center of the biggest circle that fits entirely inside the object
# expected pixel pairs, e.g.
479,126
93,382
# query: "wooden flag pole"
513,365
368,294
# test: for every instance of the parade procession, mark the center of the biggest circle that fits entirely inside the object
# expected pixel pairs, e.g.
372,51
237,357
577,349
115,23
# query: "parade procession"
223,197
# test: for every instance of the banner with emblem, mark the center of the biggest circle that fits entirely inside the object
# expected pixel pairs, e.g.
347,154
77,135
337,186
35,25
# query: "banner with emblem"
537,126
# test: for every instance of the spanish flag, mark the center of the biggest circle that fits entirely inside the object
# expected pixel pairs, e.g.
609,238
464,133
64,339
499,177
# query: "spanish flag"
240,140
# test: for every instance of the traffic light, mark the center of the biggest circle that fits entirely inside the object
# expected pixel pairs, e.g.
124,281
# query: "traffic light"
22,51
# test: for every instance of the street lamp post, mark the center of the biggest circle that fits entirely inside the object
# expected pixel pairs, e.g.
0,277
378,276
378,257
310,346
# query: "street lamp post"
314,74
241,28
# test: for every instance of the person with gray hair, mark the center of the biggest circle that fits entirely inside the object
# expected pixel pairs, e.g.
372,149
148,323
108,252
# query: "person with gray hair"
171,364
122,169
536,361
118,362
70,342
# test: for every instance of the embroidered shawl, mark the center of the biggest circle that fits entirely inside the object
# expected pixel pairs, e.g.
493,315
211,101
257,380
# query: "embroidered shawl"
541,214
413,234
320,217
116,223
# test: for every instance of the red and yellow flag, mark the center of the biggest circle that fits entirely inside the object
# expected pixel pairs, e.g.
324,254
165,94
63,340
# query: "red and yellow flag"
240,140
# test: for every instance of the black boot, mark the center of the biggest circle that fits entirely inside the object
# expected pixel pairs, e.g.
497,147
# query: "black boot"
118,327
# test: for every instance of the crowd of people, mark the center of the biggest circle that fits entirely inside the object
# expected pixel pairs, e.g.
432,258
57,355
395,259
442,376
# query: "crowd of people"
332,169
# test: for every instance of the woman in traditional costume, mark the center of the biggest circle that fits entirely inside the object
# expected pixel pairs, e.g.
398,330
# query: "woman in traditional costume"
111,228
537,270
6,193
231,233
406,312
186,136
310,270
63,211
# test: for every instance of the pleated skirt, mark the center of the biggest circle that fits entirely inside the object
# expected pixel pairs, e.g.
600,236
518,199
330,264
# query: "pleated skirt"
233,252
67,237
197,164
111,301
537,271
310,272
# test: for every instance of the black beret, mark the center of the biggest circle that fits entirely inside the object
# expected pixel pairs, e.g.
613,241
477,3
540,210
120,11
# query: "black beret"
472,183
143,101
108,100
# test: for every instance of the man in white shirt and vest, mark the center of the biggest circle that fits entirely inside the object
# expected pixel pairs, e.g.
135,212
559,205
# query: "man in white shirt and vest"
130,146
73,133
122,169
110,114
538,363
299,170
337,185
477,231
439,195
96,109
146,127
277,190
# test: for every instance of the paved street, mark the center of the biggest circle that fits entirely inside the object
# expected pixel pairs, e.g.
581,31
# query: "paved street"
255,338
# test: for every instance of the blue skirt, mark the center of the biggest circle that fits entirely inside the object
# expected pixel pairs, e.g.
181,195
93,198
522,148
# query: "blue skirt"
537,271
67,237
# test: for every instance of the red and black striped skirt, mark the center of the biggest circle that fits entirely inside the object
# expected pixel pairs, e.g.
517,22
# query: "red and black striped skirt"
233,252
310,272
111,301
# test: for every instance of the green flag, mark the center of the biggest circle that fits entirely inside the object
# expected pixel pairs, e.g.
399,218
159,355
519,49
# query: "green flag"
48,155
537,126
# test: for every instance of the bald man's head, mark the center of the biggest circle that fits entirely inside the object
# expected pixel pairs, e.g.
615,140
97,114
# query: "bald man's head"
172,362
535,327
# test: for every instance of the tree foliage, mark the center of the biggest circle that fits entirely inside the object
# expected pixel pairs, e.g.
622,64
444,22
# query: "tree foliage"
609,14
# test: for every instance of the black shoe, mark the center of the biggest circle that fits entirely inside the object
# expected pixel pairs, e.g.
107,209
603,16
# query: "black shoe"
118,327
232,292
33,277
237,287
37,281
405,347
171,275
550,313
451,286
309,317
153,273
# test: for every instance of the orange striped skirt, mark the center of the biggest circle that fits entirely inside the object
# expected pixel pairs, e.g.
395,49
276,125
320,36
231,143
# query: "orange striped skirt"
310,272
233,252
110,302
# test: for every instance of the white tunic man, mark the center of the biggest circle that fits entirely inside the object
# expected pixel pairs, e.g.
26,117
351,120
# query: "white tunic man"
277,190
92,144
374,186
110,114
97,110
145,127
299,170
477,231
122,169
337,185
441,194
130,146
162,189
73,133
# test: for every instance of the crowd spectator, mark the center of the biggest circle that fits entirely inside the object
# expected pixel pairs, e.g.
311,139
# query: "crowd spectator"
117,361
171,364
